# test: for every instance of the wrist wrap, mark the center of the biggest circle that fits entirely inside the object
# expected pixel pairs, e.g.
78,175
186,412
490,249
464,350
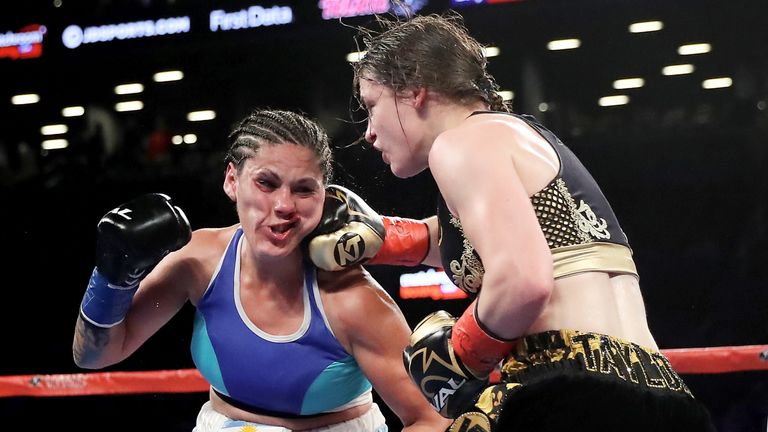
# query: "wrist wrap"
406,242
105,305
480,351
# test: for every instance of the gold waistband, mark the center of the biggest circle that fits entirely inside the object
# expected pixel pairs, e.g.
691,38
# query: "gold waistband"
596,353
605,257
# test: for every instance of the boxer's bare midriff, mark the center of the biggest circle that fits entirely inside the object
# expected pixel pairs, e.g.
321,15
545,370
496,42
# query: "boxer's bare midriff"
597,302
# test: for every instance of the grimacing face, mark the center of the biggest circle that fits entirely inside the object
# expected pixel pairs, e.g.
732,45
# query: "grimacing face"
279,193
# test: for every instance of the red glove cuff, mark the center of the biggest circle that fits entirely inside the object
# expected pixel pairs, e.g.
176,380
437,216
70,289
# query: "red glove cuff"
480,351
406,242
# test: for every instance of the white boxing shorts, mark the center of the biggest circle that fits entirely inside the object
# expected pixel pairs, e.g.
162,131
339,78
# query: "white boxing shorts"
209,420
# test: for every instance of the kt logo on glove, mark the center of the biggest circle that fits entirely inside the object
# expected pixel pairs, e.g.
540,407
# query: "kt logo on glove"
349,249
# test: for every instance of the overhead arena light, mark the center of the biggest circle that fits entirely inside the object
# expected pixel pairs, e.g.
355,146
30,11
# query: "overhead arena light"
563,44
131,88
201,115
646,26
167,76
355,56
690,49
716,83
54,144
73,111
25,99
491,51
680,69
628,83
54,129
129,106
613,100
506,95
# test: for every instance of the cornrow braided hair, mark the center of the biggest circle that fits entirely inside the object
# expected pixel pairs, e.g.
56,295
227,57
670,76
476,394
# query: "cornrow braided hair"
275,127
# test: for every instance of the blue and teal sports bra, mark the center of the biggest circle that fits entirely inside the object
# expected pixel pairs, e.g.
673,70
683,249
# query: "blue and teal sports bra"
301,374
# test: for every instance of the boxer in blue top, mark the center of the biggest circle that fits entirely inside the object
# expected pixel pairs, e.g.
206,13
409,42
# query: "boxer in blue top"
283,345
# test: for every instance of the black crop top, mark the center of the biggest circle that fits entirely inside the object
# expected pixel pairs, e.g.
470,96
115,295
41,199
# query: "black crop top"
580,227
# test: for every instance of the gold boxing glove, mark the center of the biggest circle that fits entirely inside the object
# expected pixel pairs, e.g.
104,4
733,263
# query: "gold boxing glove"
350,232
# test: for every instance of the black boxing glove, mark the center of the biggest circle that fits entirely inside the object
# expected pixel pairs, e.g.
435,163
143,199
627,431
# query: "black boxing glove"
350,232
132,239
449,386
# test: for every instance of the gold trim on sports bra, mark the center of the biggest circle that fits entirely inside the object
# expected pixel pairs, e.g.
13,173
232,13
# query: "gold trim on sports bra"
599,256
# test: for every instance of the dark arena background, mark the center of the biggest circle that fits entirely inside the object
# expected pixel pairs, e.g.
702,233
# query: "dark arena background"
680,147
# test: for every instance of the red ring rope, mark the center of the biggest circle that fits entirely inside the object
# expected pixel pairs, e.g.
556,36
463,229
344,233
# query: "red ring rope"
684,361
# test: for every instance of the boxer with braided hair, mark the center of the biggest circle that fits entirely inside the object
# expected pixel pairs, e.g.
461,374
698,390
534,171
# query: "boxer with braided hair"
284,346
522,227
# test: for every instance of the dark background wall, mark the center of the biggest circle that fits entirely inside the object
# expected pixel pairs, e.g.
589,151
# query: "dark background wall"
682,167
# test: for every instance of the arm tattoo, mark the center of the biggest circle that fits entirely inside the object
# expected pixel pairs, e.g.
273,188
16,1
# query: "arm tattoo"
90,341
